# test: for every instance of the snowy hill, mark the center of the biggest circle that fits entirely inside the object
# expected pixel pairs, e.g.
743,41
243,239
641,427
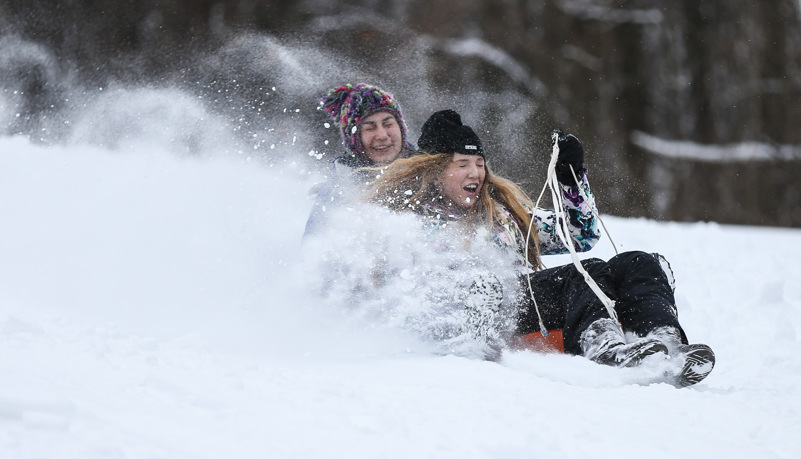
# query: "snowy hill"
156,306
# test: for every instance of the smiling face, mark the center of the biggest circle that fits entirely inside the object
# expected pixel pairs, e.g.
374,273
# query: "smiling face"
462,179
381,137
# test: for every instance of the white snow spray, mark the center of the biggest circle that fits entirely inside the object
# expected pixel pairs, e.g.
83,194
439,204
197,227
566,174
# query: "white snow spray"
390,272
220,159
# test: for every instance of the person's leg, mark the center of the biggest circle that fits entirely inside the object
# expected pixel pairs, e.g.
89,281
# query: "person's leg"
647,307
566,302
645,300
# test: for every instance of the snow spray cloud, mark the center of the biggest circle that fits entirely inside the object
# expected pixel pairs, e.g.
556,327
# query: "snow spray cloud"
140,217
33,89
394,275
253,97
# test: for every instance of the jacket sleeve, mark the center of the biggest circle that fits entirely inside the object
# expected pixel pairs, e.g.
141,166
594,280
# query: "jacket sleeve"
339,190
579,207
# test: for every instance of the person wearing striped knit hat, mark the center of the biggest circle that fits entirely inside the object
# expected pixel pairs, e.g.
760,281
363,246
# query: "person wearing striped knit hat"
373,133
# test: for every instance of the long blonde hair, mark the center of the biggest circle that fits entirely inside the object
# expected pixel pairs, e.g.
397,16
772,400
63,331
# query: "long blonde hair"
411,182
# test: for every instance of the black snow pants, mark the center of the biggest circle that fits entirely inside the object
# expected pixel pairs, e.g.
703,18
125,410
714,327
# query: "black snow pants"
635,280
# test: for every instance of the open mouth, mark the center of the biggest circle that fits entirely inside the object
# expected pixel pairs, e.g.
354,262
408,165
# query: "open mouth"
473,188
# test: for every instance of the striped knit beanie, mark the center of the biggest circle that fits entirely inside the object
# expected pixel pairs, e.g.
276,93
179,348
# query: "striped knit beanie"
348,105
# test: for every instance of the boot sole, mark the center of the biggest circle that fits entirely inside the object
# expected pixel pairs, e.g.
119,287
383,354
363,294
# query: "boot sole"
699,362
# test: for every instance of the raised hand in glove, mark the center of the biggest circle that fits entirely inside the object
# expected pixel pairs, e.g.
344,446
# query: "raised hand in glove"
571,153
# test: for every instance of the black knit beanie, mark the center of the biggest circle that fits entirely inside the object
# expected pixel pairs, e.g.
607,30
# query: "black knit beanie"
444,132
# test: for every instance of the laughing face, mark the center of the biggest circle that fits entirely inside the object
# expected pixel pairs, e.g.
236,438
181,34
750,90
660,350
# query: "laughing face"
462,179
381,137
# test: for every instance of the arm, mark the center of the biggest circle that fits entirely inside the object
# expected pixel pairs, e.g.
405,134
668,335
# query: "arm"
579,207
337,191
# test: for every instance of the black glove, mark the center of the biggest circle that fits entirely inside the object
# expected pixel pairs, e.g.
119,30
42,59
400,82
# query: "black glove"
571,153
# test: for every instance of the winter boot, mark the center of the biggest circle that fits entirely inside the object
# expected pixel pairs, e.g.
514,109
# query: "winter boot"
696,360
603,342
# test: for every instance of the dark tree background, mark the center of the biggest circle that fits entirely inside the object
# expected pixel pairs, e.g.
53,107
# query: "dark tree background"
689,110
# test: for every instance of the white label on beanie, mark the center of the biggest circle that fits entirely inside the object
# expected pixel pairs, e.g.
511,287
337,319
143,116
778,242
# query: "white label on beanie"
470,147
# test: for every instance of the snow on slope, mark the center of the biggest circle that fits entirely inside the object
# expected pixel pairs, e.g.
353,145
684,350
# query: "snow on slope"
152,306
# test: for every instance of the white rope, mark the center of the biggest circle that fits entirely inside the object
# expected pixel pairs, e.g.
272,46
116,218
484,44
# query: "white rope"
562,230
551,167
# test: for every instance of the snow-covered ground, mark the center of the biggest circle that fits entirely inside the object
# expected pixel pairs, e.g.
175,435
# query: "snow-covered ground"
157,306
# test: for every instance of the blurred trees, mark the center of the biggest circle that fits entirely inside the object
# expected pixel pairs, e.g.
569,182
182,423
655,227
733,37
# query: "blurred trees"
714,73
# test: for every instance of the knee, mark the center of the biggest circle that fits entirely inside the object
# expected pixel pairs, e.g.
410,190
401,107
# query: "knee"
635,256
643,262
649,259
594,265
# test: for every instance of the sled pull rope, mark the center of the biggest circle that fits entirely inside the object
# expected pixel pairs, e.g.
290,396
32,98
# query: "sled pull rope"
563,232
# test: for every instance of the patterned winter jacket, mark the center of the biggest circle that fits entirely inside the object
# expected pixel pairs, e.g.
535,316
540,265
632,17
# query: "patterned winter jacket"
579,207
